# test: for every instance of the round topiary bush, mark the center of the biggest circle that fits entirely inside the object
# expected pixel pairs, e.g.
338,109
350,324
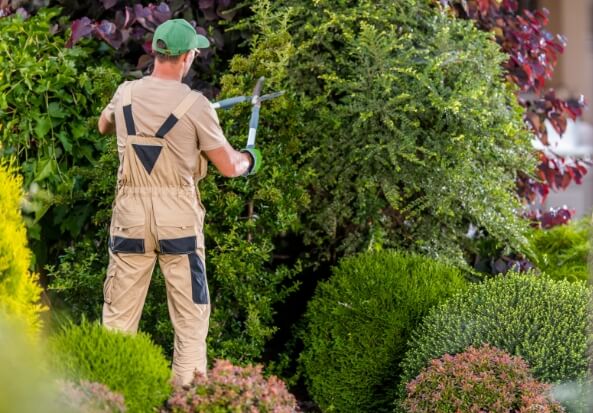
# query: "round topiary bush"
358,324
544,321
128,364
478,380
231,388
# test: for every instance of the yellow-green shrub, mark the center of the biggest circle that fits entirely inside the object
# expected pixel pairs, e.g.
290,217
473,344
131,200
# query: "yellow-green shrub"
19,290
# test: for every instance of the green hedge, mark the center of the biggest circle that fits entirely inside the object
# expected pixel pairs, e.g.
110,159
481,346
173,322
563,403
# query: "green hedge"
358,324
128,364
412,128
546,322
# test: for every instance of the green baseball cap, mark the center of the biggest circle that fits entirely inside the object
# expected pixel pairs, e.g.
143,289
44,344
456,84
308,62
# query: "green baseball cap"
179,37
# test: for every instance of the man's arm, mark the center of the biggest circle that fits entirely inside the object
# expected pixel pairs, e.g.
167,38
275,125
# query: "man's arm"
105,124
229,162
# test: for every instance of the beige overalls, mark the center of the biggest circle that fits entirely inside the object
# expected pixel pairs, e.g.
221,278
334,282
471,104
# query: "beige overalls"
158,215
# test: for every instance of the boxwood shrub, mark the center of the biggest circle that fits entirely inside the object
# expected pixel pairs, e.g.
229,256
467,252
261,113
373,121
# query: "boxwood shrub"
358,324
547,322
128,364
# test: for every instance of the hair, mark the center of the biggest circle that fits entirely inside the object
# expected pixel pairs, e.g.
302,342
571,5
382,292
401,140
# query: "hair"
161,57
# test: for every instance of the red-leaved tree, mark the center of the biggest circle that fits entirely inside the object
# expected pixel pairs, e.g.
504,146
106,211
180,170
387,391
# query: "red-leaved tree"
533,53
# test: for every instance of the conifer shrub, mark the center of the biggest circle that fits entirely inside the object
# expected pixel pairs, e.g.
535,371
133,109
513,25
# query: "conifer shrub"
87,397
562,252
478,380
358,324
128,364
546,322
230,388
19,289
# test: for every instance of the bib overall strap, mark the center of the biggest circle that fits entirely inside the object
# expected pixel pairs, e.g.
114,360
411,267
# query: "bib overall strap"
127,107
177,114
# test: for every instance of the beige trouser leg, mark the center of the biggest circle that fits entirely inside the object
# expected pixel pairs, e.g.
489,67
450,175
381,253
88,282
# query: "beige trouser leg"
125,288
189,309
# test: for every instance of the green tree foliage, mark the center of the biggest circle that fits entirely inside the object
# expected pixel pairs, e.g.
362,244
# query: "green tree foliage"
359,322
412,129
128,364
49,99
547,322
562,252
19,288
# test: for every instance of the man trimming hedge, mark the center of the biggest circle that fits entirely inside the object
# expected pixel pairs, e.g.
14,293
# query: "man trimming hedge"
165,134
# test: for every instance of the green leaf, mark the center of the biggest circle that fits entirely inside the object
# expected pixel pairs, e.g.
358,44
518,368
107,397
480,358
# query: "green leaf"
42,127
63,137
54,110
45,168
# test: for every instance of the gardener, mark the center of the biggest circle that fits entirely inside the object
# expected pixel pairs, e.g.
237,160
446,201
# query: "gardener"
165,132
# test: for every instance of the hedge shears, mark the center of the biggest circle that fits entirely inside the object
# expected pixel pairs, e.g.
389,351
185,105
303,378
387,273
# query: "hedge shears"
256,101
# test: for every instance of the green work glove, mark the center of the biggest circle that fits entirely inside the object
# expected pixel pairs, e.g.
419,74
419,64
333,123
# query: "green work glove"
255,160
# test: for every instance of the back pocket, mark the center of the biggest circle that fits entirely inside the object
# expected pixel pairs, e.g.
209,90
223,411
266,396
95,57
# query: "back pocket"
177,233
127,233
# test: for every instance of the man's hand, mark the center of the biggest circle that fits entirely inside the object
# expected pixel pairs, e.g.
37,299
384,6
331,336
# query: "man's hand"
255,160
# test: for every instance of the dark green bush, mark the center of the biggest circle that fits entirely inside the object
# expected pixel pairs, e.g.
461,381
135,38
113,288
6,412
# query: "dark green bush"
546,322
128,364
562,252
478,380
231,388
358,324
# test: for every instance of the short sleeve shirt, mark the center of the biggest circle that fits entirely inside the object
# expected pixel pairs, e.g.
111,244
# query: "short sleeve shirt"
153,100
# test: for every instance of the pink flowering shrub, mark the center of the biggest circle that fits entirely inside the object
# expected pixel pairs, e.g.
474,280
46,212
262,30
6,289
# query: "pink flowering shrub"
478,380
89,397
232,389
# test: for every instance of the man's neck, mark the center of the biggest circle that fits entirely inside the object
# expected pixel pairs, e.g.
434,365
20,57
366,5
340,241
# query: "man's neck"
167,73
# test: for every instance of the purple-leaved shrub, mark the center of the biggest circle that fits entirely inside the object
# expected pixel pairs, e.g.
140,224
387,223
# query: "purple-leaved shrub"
478,380
230,388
